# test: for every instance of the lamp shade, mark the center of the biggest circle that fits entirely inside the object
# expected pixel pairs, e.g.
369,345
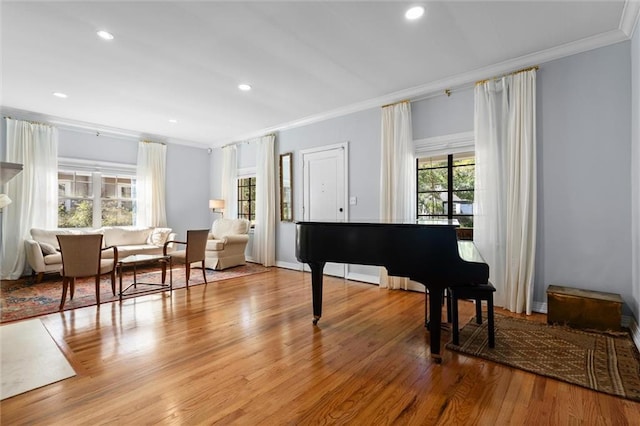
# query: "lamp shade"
216,204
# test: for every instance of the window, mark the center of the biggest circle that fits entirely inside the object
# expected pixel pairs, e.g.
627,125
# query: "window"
91,199
247,198
445,178
116,200
75,199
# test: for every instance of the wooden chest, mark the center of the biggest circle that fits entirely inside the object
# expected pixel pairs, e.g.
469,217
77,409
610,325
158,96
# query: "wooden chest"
583,308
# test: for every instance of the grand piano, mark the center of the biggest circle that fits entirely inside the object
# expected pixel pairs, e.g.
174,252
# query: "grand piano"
427,254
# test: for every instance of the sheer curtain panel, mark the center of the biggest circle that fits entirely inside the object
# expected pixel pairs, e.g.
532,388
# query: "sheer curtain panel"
230,181
397,177
506,188
34,191
151,185
264,239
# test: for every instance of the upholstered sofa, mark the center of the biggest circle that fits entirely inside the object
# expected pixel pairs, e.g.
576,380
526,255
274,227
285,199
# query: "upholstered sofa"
226,244
43,255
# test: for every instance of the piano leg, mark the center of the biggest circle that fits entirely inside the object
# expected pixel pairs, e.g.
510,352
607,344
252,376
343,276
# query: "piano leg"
435,310
316,289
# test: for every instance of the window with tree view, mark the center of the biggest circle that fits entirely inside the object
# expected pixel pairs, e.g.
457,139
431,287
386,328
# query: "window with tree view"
116,200
94,199
75,199
446,187
247,198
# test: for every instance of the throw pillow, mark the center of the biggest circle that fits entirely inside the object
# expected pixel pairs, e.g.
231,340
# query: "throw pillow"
159,236
47,248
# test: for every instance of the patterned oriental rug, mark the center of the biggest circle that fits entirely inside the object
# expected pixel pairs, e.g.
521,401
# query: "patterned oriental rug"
20,299
604,362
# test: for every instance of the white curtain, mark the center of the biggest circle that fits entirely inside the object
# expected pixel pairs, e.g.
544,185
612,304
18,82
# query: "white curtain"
264,238
34,191
151,185
230,181
505,186
397,177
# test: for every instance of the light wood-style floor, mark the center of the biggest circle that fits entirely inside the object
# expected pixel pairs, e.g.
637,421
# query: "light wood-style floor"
244,351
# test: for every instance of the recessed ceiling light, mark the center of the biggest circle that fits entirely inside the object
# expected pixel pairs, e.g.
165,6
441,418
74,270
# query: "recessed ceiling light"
414,13
244,87
105,35
173,121
60,95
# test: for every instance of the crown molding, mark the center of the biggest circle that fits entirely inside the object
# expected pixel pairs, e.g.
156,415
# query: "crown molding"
459,81
630,17
92,128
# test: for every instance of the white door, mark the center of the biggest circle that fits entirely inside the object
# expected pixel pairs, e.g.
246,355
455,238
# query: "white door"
324,190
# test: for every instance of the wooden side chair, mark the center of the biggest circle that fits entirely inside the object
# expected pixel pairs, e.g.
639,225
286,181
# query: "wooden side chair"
196,245
82,257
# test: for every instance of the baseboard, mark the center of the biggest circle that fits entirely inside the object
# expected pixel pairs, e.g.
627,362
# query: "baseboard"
539,307
371,279
626,321
289,265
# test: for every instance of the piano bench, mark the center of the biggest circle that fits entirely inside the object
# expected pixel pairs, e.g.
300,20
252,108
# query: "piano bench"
478,293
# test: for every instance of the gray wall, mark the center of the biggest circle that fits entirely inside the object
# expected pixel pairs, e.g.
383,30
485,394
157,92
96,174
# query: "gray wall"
584,219
188,177
443,115
362,132
584,151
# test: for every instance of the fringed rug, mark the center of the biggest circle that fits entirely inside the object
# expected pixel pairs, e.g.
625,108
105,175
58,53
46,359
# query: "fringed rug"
22,298
603,362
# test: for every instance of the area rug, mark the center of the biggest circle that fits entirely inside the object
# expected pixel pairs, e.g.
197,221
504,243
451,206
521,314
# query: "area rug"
604,362
29,358
20,299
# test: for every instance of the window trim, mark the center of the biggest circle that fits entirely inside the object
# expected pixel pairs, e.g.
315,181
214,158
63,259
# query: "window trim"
453,143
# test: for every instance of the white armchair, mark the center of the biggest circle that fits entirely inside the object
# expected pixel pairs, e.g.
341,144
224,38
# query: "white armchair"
226,244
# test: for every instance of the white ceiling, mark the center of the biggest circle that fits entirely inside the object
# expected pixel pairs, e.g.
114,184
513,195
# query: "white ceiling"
305,60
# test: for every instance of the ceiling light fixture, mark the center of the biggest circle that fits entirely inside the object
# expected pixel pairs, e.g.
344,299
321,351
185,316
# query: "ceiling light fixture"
60,95
414,13
173,121
105,35
244,87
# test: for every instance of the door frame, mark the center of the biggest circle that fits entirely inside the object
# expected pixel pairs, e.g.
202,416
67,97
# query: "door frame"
343,267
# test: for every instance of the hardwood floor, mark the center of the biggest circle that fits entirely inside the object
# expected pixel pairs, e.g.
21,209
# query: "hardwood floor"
244,351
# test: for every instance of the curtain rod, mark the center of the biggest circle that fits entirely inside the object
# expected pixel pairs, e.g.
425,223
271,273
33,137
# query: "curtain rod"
247,140
396,103
447,92
535,67
28,121
143,141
